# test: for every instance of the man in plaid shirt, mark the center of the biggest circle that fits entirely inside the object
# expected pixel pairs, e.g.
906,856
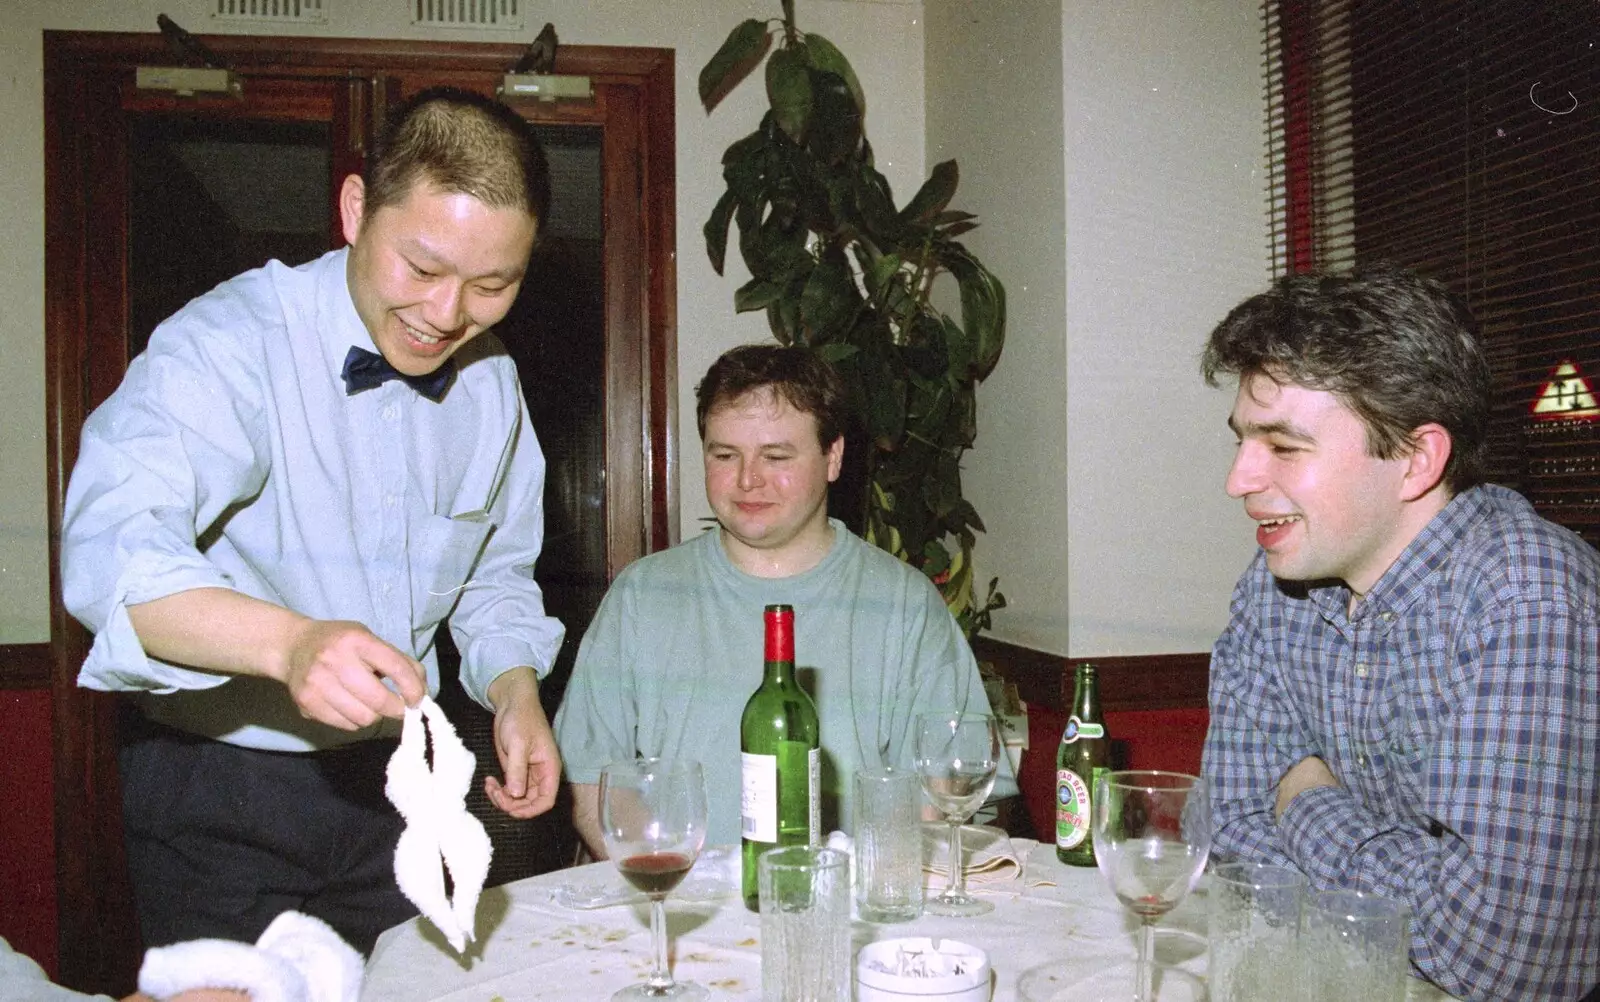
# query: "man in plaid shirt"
1407,697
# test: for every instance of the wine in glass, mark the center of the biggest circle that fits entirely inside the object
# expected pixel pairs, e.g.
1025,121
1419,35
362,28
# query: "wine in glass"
957,755
1152,833
653,818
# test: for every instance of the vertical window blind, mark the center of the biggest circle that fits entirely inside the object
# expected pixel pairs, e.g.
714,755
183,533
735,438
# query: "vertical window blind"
1461,139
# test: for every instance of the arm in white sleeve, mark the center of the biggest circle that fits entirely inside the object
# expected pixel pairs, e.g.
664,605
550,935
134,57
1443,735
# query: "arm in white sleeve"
164,457
500,622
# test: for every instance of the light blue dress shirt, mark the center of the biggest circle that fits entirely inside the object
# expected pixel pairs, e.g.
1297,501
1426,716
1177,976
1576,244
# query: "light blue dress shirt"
231,457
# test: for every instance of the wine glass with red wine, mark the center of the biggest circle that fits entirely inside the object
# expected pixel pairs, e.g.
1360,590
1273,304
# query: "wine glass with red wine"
653,817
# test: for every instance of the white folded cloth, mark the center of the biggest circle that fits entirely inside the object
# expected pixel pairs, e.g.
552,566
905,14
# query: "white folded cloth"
434,804
987,852
298,959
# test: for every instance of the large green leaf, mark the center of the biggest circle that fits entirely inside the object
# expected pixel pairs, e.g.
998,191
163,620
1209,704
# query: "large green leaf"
983,310
756,294
934,194
789,91
740,52
830,302
716,229
835,133
821,54
835,352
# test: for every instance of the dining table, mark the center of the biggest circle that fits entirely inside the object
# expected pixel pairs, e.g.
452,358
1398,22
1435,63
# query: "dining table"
582,933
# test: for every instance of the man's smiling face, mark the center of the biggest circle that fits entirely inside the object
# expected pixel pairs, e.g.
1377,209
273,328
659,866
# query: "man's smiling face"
1324,507
432,272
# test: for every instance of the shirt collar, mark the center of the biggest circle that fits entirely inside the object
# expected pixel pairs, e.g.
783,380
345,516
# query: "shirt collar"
1406,580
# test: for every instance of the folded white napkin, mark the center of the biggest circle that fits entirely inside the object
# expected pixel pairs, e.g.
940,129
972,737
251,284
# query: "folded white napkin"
297,959
715,875
987,852
434,804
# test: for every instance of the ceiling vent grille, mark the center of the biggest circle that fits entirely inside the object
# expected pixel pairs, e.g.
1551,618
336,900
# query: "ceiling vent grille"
298,11
502,15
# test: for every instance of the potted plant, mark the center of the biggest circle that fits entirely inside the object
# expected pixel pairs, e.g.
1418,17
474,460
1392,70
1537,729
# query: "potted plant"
838,267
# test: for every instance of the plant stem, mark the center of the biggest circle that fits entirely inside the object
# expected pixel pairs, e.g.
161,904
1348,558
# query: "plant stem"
1147,960
790,34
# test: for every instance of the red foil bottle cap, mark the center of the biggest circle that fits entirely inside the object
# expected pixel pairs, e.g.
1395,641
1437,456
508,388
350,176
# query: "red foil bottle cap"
780,632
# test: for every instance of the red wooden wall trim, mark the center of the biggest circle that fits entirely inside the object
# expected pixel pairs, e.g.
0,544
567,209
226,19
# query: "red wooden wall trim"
1138,682
25,666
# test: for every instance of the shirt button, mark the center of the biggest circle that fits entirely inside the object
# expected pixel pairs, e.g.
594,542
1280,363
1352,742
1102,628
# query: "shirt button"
1361,760
389,412
1361,669
1387,617
388,500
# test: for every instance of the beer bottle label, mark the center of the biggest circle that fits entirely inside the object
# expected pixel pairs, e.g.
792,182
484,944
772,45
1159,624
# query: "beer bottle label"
1078,729
1072,809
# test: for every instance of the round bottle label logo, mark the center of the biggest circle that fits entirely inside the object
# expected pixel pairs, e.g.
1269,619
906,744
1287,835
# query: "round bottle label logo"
1072,809
1078,729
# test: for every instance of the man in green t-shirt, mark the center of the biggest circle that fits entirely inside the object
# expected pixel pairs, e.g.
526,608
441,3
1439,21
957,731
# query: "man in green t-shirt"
675,649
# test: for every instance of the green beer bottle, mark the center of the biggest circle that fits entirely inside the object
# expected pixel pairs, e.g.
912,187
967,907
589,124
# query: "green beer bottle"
781,763
1084,755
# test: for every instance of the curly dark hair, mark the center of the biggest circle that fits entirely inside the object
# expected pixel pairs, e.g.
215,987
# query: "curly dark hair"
463,142
1399,349
795,374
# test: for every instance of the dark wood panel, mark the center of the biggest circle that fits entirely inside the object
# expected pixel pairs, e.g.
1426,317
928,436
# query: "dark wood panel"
25,666
1137,682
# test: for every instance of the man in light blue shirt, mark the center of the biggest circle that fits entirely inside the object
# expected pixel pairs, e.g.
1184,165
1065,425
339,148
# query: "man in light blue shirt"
303,475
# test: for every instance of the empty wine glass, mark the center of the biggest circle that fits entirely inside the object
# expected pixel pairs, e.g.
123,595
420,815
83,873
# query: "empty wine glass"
653,818
957,755
1152,833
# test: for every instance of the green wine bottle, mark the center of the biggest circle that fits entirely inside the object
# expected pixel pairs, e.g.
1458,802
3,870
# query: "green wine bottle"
781,763
1082,757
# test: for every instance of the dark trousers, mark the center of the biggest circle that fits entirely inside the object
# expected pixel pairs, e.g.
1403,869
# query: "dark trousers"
222,839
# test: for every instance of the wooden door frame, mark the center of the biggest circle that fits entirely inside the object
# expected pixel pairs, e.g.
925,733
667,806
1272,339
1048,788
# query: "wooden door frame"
634,92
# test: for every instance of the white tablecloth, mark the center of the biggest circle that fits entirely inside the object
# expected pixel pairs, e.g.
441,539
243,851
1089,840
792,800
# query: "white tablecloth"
1051,928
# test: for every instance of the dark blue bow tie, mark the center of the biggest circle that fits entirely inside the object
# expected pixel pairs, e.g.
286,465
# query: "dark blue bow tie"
364,369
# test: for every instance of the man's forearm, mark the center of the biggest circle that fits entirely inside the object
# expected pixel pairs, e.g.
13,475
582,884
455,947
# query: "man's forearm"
216,629
586,818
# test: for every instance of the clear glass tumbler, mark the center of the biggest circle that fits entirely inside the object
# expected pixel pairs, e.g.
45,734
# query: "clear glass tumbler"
1355,947
1254,930
887,821
805,924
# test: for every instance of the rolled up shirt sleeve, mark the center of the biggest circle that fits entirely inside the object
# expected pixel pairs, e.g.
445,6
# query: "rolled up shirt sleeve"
172,449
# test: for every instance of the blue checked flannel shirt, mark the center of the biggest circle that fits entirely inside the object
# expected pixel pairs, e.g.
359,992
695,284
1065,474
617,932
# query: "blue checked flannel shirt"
1459,706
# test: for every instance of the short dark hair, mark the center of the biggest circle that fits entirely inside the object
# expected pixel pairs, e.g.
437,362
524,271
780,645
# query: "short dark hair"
464,143
795,374
1395,347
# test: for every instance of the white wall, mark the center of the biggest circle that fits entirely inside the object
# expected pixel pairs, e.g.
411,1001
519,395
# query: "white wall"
1101,453
882,39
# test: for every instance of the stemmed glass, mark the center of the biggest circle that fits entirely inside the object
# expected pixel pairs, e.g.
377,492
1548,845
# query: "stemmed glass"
1152,833
957,755
653,818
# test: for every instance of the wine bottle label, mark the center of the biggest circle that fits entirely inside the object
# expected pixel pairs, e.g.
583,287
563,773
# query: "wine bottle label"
814,786
758,801
1078,729
1072,809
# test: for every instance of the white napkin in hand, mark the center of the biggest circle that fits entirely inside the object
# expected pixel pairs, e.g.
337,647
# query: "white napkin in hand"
987,852
434,804
297,959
